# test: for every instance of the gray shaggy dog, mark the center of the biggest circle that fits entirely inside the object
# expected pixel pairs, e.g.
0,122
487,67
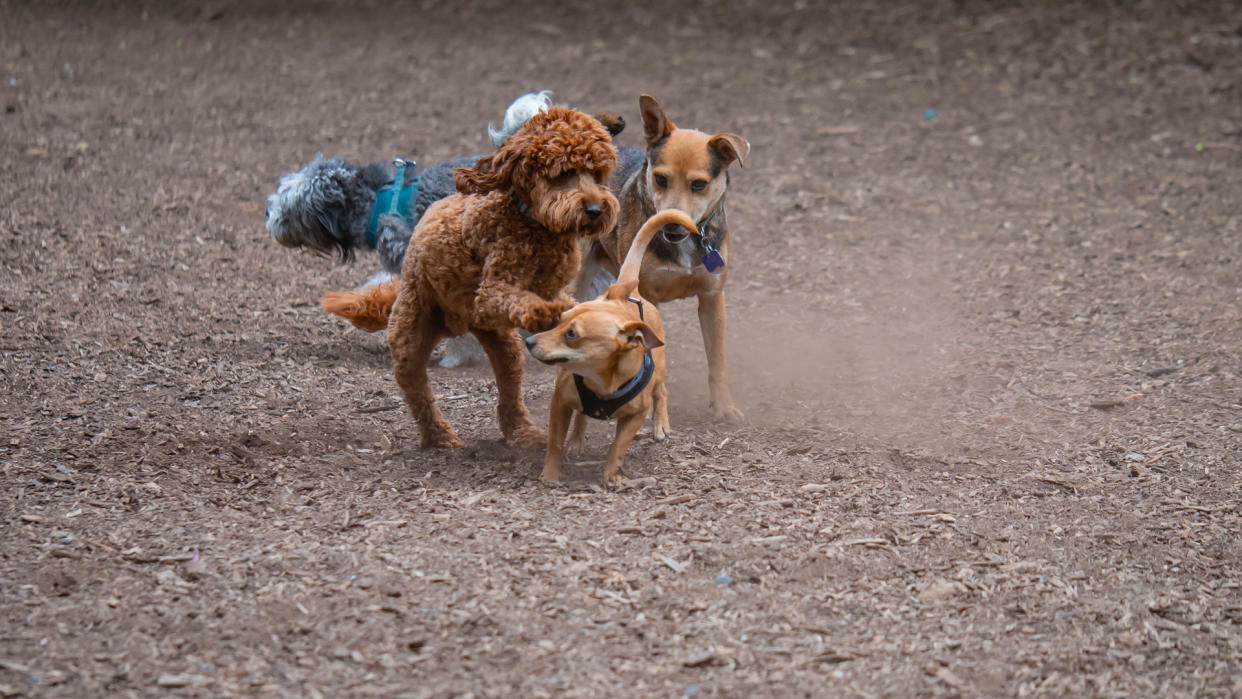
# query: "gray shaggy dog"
327,207
330,206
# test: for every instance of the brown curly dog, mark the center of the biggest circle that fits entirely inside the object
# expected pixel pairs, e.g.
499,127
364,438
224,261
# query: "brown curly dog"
495,257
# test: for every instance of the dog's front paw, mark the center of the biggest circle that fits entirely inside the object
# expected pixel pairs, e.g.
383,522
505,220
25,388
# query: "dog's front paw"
540,318
527,436
563,302
729,412
442,440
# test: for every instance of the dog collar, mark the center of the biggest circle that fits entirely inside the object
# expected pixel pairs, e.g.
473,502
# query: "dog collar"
639,303
602,407
395,198
522,207
711,259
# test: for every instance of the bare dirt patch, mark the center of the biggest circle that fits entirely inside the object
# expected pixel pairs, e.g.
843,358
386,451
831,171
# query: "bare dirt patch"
984,323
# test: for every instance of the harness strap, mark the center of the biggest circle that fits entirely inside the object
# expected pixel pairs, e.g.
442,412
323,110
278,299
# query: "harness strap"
394,198
711,259
639,303
603,407
522,207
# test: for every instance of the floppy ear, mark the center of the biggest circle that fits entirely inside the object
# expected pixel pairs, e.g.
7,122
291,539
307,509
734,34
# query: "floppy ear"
491,173
655,125
615,123
621,291
637,331
730,147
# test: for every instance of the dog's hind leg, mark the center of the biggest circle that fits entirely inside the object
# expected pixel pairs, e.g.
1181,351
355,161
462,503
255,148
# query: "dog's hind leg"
712,325
577,438
504,350
461,351
659,412
412,333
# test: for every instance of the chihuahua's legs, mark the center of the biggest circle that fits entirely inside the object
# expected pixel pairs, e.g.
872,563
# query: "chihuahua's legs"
659,412
411,338
504,350
712,324
577,439
558,424
627,427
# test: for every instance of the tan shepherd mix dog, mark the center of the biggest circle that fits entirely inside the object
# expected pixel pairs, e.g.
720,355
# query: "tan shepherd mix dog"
610,358
686,170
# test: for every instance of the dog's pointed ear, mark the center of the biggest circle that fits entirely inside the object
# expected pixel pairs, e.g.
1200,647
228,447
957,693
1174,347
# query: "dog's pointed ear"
621,291
730,147
491,173
637,331
655,125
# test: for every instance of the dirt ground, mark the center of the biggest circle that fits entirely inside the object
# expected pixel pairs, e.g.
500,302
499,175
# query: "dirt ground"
985,322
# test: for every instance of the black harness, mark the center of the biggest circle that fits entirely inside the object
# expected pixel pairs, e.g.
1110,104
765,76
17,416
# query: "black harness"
602,407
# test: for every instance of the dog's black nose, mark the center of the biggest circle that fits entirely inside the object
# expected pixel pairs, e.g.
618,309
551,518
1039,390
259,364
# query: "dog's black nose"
593,211
530,342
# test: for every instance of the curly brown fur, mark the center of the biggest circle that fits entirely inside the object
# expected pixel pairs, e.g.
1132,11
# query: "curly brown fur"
497,256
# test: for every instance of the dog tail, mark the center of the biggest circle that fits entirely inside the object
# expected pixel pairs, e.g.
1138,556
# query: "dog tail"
368,309
518,113
634,258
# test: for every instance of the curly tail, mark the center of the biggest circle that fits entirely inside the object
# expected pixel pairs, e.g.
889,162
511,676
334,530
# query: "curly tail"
634,258
518,113
368,309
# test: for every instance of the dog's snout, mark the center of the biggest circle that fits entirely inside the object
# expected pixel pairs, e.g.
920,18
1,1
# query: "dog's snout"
593,211
530,342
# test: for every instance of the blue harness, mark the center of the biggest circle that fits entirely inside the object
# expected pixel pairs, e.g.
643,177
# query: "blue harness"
396,198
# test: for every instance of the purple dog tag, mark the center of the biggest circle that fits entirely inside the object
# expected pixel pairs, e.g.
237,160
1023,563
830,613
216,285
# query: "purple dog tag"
712,259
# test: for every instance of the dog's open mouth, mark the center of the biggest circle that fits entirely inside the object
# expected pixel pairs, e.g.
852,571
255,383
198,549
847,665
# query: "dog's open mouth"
554,360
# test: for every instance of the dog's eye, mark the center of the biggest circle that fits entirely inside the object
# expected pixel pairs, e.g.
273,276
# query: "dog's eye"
571,334
660,180
698,185
569,173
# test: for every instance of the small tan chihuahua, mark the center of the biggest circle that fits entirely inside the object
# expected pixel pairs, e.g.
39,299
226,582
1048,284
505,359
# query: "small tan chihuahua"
610,358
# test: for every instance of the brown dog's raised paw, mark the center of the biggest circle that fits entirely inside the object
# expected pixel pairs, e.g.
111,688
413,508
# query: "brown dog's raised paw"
540,318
